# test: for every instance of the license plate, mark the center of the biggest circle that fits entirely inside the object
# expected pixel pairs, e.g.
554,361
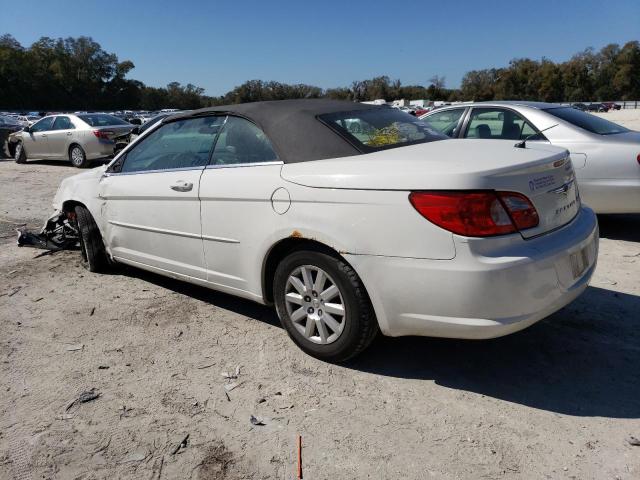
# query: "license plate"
579,262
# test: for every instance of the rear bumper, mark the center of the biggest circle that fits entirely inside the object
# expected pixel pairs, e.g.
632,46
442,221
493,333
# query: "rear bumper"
100,149
492,287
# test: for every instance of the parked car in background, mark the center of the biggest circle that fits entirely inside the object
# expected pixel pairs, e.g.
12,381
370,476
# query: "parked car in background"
579,106
78,138
22,120
346,230
140,129
597,107
8,125
606,156
612,106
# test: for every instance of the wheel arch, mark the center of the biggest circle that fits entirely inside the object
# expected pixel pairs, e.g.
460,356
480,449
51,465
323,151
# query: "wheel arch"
68,206
280,250
71,145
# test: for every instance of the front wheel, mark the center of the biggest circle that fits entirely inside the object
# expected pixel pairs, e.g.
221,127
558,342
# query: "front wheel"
324,306
19,154
94,256
77,157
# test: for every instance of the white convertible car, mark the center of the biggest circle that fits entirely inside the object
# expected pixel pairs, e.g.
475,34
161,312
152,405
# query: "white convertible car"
606,156
349,218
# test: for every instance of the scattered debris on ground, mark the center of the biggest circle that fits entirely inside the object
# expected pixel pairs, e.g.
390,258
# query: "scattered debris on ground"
84,397
633,441
182,445
256,420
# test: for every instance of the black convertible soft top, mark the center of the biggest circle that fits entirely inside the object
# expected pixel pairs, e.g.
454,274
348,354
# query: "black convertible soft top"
292,126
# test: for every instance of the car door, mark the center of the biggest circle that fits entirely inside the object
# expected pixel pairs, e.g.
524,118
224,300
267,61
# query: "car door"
36,140
151,209
236,194
60,137
446,121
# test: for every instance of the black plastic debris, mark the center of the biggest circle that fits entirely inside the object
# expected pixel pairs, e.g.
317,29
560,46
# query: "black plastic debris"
58,234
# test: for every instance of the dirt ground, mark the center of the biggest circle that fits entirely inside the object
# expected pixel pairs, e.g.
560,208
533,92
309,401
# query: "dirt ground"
558,400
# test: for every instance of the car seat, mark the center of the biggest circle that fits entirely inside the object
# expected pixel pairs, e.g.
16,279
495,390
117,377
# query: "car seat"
483,131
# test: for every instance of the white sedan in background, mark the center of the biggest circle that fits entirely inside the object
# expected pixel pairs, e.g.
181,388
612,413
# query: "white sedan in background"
606,156
349,218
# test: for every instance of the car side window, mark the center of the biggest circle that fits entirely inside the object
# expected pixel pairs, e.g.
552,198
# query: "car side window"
43,125
498,123
181,144
62,123
445,121
242,142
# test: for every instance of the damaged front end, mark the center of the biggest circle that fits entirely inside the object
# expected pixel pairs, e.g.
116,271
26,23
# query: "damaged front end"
60,232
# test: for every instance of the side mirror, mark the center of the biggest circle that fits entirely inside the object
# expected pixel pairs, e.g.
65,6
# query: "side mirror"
135,130
135,121
27,129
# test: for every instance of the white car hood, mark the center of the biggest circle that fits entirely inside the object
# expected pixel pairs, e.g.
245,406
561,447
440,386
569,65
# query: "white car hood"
447,164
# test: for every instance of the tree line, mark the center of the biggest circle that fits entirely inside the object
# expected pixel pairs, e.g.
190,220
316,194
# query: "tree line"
77,74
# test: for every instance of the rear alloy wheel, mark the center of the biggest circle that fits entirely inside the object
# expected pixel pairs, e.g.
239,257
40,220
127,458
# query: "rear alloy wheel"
94,257
323,306
19,155
319,314
77,156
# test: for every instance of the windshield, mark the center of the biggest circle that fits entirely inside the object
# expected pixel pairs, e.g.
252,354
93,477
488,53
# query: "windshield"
587,121
381,128
101,120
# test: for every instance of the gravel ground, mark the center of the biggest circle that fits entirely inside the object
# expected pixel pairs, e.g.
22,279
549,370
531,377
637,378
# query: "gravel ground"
558,400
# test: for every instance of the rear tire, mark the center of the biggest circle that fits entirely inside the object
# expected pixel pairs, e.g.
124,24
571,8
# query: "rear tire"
77,157
334,326
94,256
19,154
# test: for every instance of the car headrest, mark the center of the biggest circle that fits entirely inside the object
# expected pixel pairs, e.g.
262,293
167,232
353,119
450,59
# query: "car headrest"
483,131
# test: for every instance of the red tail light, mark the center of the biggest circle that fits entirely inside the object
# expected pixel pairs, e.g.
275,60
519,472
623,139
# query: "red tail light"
476,214
520,208
101,134
638,159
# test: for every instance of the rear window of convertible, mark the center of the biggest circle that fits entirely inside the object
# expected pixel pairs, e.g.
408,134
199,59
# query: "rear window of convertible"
381,128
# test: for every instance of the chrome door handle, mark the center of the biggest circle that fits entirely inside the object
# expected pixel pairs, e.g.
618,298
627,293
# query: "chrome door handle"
182,186
69,134
43,135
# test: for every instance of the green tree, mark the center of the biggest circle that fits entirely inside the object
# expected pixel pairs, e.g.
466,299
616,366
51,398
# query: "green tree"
479,85
626,76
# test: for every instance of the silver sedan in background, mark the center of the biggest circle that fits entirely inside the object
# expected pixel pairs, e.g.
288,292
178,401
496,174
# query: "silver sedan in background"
78,138
605,155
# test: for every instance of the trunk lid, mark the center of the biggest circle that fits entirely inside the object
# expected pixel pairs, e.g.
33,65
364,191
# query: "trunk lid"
542,173
552,189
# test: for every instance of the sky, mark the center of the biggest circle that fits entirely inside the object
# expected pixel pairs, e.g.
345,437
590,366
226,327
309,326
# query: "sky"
218,45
